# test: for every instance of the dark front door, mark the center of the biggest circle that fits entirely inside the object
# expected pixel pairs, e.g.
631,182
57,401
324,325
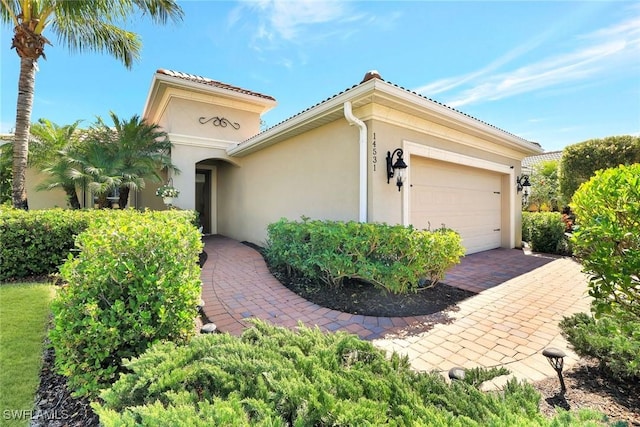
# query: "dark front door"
203,198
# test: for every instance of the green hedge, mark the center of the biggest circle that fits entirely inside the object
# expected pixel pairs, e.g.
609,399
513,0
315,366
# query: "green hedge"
37,242
272,376
581,161
135,281
545,232
392,257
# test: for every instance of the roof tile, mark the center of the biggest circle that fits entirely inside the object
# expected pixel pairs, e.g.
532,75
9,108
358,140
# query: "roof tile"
214,83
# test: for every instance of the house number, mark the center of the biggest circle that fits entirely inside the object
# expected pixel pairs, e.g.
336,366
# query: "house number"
374,152
219,121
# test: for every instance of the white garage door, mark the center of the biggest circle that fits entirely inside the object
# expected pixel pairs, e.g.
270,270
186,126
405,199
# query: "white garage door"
463,198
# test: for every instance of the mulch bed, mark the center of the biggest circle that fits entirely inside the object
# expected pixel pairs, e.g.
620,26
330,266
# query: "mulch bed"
590,386
358,297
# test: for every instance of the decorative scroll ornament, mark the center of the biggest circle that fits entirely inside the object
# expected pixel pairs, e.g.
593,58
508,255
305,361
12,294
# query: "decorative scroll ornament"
219,121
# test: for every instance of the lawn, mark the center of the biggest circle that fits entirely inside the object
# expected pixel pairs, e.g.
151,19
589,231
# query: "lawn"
24,311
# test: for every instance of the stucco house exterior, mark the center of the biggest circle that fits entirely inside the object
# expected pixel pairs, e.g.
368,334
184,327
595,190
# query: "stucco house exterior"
329,161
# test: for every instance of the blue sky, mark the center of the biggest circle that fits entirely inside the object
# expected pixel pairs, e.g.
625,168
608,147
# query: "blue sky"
556,73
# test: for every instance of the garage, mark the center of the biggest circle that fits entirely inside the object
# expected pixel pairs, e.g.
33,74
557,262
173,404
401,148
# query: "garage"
463,198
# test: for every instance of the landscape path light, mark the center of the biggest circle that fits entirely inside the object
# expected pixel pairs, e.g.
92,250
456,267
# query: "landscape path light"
556,360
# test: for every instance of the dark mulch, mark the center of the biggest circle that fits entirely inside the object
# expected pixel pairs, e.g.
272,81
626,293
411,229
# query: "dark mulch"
54,405
358,297
590,386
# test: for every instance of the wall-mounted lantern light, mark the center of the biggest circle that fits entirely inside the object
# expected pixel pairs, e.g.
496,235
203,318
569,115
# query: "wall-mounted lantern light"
556,360
522,183
397,168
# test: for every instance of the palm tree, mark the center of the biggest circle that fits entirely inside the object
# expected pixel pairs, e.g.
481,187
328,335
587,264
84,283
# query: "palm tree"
50,151
81,25
96,165
142,149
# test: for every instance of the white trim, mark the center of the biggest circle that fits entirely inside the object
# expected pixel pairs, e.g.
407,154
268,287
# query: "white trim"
414,149
197,141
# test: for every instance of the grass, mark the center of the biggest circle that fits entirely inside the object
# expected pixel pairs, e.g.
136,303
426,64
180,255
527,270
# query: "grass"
24,311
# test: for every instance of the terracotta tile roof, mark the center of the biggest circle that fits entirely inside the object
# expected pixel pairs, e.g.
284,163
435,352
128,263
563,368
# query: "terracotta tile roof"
532,160
375,75
214,83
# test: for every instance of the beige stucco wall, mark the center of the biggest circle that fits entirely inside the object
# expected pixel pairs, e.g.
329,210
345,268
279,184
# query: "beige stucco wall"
182,117
314,174
45,199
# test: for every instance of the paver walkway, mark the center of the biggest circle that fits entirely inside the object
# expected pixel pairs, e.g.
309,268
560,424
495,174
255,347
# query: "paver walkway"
506,325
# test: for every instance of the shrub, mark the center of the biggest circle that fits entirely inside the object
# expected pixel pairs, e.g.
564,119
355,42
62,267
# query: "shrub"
135,282
607,241
544,231
36,242
581,161
613,340
274,376
391,257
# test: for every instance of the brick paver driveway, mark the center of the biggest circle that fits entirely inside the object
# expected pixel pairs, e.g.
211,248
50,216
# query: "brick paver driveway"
513,318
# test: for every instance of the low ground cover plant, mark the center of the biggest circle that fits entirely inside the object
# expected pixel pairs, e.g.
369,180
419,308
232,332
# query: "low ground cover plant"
545,232
24,314
392,257
607,243
134,282
272,376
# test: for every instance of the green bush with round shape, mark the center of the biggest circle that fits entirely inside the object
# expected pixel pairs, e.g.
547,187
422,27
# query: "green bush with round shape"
392,257
545,232
135,281
581,161
607,243
607,240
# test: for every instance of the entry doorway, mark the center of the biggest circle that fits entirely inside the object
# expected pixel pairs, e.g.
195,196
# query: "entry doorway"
203,199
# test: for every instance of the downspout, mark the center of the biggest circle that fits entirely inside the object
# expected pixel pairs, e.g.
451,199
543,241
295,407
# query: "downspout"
353,120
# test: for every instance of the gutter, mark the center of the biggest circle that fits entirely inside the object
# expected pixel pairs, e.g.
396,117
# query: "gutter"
353,120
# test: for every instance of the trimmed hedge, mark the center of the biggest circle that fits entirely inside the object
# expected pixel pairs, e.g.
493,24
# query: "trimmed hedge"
392,257
273,376
136,281
545,232
581,161
37,242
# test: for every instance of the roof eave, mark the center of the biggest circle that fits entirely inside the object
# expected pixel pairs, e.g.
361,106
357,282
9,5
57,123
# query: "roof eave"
160,80
436,111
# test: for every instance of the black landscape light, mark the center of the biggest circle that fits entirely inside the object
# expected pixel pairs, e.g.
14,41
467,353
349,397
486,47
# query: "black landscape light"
556,360
456,373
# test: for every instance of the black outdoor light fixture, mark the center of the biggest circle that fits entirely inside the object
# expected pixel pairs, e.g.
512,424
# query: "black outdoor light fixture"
398,167
522,183
556,360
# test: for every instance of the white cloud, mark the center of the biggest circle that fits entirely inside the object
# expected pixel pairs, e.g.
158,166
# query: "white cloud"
288,20
604,51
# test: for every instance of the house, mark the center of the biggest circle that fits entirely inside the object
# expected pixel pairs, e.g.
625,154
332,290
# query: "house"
330,161
529,162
